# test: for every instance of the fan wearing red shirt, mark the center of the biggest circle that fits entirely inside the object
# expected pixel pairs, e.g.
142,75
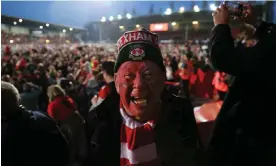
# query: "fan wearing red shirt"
61,105
108,75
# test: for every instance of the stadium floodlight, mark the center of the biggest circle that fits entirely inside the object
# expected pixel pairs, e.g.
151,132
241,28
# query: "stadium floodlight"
47,25
71,29
103,19
119,17
20,20
64,30
173,23
128,16
41,27
11,41
137,26
111,18
181,9
196,8
195,22
121,27
14,23
168,11
213,7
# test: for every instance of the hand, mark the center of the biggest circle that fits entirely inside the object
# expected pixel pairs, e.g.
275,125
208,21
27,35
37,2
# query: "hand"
221,15
248,15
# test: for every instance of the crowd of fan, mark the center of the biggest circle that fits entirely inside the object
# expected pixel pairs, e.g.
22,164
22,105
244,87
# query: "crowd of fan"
74,84
33,68
59,79
11,38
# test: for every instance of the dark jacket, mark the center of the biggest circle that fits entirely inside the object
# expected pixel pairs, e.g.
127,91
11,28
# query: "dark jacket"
177,140
244,131
32,138
30,99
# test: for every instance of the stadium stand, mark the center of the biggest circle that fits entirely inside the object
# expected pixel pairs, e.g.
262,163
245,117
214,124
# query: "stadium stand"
21,30
178,26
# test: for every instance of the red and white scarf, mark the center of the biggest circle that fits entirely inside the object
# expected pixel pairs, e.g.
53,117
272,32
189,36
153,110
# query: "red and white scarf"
137,142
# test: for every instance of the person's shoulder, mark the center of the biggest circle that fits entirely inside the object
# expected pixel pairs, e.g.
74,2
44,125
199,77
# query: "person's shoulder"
111,102
52,103
221,27
39,121
181,114
172,97
181,108
103,112
37,115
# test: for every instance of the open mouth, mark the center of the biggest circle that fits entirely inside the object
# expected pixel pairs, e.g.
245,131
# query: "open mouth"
139,101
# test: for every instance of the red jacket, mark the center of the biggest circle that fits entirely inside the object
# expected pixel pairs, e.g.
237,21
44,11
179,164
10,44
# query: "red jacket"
59,111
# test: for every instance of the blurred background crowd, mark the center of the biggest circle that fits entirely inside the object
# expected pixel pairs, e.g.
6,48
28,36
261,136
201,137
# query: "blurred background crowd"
36,55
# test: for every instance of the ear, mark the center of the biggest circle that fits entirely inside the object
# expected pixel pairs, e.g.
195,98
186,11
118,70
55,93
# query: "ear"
116,83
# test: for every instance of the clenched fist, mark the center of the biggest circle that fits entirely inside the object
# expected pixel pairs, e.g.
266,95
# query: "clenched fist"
221,15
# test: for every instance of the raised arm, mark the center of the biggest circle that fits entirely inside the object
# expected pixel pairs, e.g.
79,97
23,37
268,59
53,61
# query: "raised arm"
232,59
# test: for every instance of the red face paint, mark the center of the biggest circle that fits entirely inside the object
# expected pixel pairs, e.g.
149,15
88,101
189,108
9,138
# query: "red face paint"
140,85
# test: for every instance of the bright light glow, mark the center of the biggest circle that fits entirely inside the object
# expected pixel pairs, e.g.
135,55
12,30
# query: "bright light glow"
196,8
173,23
181,10
159,27
14,22
213,7
103,19
119,17
41,27
137,26
68,41
47,41
11,41
71,29
168,11
20,20
47,25
111,18
64,30
121,27
128,16
195,22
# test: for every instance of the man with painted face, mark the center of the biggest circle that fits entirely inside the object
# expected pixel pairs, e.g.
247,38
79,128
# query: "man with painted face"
144,124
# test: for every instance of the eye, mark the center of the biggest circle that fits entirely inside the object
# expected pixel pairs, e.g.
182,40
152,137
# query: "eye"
147,74
129,76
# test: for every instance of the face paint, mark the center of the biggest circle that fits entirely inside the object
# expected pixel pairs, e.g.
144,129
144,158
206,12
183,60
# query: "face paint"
140,85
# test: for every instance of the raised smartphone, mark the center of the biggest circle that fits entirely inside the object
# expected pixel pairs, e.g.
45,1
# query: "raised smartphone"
235,8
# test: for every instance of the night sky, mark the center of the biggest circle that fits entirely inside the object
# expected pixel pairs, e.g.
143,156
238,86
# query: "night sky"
78,13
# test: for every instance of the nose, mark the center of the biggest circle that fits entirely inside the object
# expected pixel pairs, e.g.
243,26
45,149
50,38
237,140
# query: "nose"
139,82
